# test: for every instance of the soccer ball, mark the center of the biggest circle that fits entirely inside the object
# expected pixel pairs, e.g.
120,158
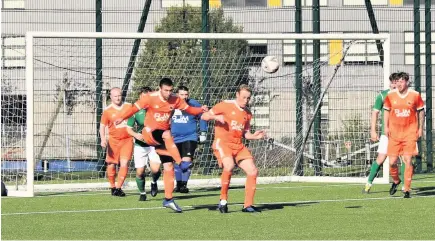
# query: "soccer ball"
270,64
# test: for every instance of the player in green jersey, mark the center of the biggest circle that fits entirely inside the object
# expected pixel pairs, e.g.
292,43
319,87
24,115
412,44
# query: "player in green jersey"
143,153
383,139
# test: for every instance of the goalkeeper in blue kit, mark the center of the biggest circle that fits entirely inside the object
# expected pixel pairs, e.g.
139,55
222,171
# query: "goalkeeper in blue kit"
184,129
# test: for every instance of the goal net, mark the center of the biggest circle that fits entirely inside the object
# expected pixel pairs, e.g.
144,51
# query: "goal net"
316,116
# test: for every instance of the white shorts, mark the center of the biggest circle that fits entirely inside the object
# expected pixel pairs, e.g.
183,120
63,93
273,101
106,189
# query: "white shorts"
383,145
142,154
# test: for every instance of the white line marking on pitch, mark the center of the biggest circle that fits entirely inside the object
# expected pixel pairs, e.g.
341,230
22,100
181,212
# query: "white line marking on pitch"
106,192
190,207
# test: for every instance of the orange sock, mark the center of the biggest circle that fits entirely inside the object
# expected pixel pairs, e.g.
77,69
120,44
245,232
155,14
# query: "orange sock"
250,186
394,172
111,173
409,169
168,181
122,174
172,149
225,184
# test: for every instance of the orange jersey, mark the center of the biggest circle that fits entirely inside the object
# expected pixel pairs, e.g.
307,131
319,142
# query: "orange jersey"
117,132
403,120
159,111
237,121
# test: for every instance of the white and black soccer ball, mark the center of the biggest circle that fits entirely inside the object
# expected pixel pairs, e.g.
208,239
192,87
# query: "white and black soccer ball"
270,64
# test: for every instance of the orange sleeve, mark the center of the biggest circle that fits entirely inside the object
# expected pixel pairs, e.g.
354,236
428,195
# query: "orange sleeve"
180,104
143,102
218,109
387,103
104,119
193,110
420,103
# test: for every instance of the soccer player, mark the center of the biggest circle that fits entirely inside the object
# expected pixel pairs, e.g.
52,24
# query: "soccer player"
185,132
143,152
120,144
159,106
404,121
383,140
232,124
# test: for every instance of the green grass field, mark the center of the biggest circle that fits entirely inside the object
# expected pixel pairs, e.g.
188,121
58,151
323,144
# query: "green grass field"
289,211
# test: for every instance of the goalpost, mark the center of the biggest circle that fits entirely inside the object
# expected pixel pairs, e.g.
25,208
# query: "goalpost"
59,152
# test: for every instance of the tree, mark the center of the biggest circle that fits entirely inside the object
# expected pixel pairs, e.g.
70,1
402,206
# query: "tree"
182,60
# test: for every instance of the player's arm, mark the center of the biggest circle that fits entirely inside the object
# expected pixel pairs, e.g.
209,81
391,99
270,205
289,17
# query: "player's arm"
374,120
387,108
182,105
103,124
216,114
130,124
142,103
202,123
260,134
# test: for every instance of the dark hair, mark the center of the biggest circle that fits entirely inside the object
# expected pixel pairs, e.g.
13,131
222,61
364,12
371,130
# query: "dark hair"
182,87
145,89
403,75
166,81
394,76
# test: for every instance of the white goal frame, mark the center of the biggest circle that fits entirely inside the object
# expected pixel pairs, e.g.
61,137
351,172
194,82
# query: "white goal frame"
30,154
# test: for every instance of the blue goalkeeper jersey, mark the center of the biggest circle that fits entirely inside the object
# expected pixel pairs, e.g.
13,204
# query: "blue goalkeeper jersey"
184,127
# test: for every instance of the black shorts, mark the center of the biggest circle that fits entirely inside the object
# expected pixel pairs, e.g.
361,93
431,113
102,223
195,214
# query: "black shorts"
187,148
166,159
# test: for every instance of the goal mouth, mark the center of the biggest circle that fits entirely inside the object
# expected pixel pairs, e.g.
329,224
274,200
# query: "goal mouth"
316,118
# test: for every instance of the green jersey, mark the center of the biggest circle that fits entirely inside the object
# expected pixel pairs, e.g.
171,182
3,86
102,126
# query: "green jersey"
379,106
138,120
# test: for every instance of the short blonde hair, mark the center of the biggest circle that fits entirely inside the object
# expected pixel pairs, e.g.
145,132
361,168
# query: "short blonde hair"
244,87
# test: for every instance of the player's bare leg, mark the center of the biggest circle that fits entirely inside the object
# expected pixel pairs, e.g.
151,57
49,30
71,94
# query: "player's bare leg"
409,169
171,147
394,172
122,174
227,171
168,180
248,166
111,175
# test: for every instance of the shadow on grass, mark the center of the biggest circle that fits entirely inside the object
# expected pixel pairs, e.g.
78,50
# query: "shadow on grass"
261,207
425,191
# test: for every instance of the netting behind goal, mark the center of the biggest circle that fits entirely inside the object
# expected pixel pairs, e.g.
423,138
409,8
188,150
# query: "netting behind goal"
333,147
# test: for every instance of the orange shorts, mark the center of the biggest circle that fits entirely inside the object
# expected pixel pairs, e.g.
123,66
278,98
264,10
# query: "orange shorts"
236,151
119,150
402,148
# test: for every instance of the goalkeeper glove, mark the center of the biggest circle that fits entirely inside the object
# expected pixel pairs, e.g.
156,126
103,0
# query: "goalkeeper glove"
202,137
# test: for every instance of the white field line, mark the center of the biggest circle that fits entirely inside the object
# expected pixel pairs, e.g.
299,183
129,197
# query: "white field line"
190,207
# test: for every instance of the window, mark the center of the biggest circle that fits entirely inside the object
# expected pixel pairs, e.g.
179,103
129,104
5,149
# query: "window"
411,2
362,52
289,51
13,110
258,50
244,3
409,48
13,4
13,52
179,3
255,3
362,2
292,3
